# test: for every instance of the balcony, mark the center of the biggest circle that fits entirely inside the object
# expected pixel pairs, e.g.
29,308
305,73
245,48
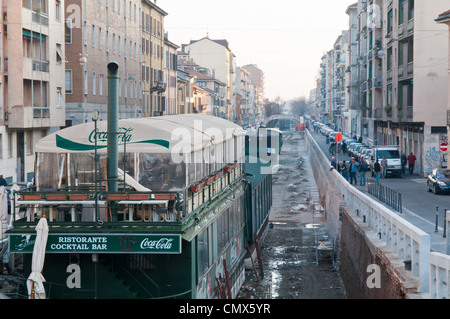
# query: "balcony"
411,25
21,117
400,113
401,30
389,75
409,112
378,113
400,71
378,83
159,87
36,69
39,17
410,68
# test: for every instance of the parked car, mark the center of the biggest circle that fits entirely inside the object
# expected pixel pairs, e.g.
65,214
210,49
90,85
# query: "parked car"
439,181
358,149
352,148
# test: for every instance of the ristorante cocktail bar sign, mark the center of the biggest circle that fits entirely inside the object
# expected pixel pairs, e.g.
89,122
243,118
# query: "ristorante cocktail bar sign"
100,243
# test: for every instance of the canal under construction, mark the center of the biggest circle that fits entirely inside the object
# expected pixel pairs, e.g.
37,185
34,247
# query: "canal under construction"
299,257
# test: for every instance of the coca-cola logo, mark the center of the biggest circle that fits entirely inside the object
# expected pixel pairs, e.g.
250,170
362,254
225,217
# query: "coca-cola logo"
160,244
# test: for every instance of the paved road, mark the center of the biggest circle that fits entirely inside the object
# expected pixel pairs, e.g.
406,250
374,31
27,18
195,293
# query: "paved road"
419,205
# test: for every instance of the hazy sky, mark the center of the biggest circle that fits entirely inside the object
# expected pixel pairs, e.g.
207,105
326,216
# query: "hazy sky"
284,38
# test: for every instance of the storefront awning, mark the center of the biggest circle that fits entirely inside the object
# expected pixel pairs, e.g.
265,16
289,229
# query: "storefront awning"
33,34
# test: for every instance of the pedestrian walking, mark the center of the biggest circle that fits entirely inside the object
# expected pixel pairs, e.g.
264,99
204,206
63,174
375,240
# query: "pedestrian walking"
403,159
352,170
363,168
332,149
333,162
411,161
377,170
344,169
3,181
383,166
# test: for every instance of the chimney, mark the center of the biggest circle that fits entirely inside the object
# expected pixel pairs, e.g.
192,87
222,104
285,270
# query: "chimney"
112,143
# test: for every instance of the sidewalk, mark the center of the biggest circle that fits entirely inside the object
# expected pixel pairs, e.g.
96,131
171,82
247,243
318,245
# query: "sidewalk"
419,207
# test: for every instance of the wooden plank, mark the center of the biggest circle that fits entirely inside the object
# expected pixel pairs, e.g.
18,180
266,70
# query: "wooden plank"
253,263
258,253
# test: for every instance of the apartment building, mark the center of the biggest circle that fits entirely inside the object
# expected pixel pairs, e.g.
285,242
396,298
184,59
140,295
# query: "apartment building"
415,70
170,76
31,100
218,57
257,78
445,19
152,39
204,83
244,109
185,84
352,111
98,32
397,82
338,100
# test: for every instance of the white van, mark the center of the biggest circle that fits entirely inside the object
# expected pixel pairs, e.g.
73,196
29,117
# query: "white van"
394,162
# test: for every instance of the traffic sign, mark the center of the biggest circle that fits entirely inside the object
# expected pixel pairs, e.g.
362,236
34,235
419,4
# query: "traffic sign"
338,137
444,147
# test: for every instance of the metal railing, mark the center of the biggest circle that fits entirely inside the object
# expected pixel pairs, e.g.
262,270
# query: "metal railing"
41,65
387,195
76,206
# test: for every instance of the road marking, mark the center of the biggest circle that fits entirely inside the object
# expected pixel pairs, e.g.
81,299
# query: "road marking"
420,217
419,181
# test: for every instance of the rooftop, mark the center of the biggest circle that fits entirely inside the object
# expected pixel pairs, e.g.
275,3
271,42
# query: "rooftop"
443,16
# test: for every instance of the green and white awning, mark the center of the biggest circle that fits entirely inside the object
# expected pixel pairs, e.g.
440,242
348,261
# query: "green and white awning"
143,135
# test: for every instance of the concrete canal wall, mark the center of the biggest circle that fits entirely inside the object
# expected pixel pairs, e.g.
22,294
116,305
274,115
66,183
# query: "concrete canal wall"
373,242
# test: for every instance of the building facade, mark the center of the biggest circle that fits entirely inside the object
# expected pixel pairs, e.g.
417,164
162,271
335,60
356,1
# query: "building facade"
106,31
415,83
257,78
218,57
153,52
31,100
397,80
170,76
445,19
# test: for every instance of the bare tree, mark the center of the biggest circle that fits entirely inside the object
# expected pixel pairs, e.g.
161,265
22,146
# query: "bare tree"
274,107
299,107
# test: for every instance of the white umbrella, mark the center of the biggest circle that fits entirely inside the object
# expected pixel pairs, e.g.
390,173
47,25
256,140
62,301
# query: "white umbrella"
35,282
3,203
15,209
131,181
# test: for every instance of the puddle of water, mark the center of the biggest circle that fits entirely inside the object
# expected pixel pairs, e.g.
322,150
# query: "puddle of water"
276,280
312,226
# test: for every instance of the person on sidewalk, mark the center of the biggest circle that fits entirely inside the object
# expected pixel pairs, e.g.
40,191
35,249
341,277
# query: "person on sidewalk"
3,181
352,170
363,168
403,159
344,170
333,162
377,170
411,161
383,167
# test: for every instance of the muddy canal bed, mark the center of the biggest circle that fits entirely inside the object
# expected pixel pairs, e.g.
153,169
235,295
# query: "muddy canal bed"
292,266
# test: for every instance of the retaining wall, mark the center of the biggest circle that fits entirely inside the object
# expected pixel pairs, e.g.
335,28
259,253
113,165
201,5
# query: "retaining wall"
367,234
